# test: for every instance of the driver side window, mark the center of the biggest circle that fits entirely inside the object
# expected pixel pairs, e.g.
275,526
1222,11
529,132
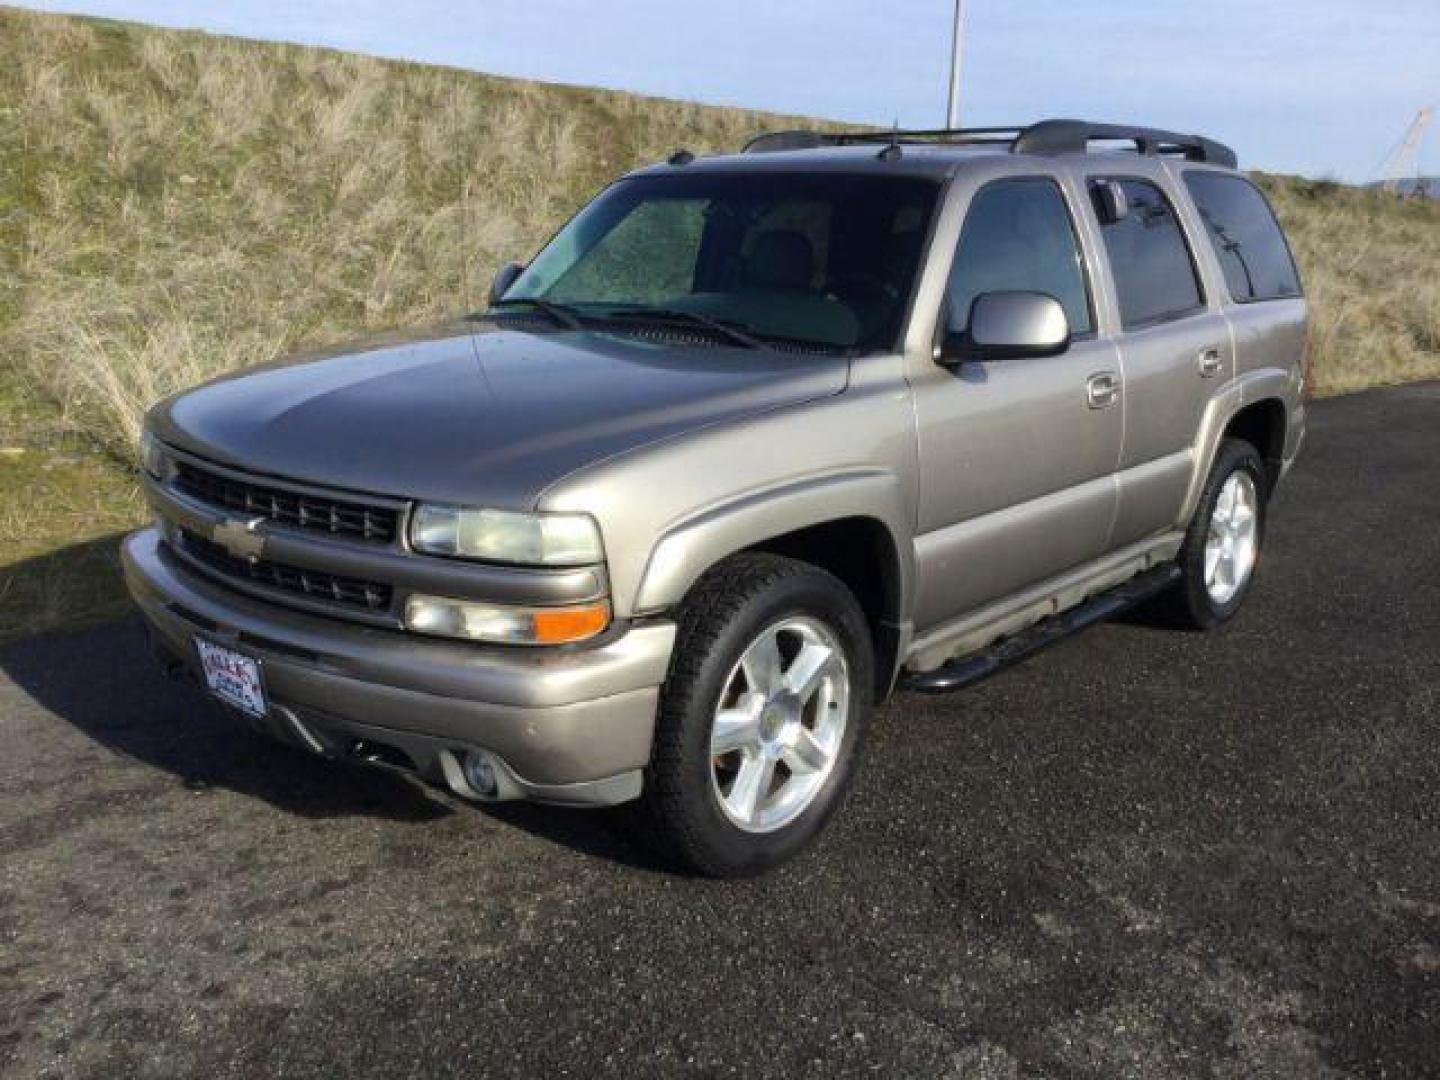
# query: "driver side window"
1018,235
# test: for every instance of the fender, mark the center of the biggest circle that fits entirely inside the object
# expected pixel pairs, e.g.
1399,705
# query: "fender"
1256,385
692,545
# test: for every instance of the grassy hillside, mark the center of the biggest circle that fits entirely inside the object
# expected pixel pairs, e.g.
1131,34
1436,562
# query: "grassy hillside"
175,204
172,204
1371,266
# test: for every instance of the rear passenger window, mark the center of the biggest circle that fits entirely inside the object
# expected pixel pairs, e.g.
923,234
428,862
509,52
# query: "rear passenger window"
1246,237
1154,274
1019,236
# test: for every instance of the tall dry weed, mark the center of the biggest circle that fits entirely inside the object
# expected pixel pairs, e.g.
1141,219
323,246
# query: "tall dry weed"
1371,266
189,204
175,205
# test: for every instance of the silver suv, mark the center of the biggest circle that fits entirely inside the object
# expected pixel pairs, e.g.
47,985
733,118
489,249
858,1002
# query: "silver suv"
753,441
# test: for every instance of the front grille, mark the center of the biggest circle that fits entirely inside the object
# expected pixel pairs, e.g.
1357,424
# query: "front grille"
376,524
316,584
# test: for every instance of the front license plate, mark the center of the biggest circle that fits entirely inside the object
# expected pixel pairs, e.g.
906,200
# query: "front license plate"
232,677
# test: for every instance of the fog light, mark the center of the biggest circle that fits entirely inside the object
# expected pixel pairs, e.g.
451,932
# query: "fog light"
480,775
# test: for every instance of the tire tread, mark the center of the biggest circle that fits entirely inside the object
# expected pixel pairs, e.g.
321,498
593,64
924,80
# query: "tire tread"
666,813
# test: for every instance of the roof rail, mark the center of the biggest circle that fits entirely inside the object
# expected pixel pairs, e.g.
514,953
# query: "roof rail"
1075,137
1045,137
776,141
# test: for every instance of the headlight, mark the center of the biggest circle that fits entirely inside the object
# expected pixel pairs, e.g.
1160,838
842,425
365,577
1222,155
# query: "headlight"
503,536
152,456
504,624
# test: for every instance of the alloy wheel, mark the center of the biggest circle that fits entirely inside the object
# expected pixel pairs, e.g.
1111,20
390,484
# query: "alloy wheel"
779,724
1232,543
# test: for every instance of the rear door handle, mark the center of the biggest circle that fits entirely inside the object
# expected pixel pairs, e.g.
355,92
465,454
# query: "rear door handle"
1102,390
1211,363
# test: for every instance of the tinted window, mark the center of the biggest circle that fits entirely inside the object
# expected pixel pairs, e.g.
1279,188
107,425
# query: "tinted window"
1154,277
1019,236
1246,237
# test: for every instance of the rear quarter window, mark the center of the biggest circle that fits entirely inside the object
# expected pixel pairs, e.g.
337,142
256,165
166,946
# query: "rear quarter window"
1246,237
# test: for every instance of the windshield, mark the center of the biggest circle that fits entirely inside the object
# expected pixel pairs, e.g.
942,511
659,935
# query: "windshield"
823,259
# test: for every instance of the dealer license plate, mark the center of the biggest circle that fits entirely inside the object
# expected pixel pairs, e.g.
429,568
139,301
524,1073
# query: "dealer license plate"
232,677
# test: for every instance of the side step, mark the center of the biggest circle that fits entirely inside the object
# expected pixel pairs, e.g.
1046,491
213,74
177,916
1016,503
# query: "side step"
958,674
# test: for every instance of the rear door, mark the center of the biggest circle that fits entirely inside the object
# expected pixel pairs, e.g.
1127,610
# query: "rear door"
1175,349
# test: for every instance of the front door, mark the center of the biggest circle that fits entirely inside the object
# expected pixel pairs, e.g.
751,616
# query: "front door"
1017,456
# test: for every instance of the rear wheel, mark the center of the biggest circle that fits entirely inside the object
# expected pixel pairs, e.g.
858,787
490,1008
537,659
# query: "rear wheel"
760,717
1222,545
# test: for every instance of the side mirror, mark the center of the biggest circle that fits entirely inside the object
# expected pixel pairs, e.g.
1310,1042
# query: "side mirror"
1007,325
1111,202
504,278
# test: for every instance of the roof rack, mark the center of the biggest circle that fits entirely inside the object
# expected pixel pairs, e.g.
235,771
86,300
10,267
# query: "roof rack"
812,140
1075,136
1045,137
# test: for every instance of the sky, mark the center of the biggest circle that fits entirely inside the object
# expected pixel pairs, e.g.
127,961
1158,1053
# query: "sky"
1318,87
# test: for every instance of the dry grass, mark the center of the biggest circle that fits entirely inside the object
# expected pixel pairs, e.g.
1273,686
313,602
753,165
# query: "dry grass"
1371,265
62,508
178,204
174,205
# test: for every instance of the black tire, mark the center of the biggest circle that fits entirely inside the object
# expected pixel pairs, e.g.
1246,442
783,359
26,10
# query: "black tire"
680,811
1188,602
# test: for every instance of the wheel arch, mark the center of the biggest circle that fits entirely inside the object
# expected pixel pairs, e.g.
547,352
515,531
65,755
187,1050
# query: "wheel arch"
1262,424
852,526
1255,406
861,552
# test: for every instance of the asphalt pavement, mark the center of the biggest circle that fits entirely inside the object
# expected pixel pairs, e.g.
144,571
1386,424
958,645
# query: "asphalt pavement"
1142,853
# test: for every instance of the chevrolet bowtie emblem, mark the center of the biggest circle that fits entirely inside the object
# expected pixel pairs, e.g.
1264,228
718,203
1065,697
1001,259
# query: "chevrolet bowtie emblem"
242,539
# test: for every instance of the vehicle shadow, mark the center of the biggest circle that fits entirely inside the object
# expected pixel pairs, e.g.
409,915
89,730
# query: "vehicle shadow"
74,586
104,683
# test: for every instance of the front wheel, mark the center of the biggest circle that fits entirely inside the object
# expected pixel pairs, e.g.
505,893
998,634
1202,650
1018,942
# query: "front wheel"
1222,545
760,717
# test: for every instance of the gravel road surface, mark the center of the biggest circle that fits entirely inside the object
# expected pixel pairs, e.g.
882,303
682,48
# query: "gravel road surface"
1143,853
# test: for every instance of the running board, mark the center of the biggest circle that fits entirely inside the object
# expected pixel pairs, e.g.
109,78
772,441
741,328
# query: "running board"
958,674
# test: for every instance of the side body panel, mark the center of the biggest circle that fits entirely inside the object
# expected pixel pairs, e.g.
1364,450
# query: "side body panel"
1182,383
1017,476
1268,342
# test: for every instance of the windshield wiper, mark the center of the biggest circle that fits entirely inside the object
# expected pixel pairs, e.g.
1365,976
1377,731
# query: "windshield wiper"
737,335
560,314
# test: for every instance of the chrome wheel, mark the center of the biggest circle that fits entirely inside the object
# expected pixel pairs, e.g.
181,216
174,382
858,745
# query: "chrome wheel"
779,724
1232,543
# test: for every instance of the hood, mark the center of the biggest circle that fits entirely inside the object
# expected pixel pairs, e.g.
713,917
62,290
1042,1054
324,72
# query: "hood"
487,417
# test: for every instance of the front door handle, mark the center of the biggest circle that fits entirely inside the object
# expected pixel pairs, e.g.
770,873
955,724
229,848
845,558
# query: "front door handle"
1102,389
1211,363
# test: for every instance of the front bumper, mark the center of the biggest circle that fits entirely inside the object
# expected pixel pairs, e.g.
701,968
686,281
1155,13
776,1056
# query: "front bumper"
570,726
